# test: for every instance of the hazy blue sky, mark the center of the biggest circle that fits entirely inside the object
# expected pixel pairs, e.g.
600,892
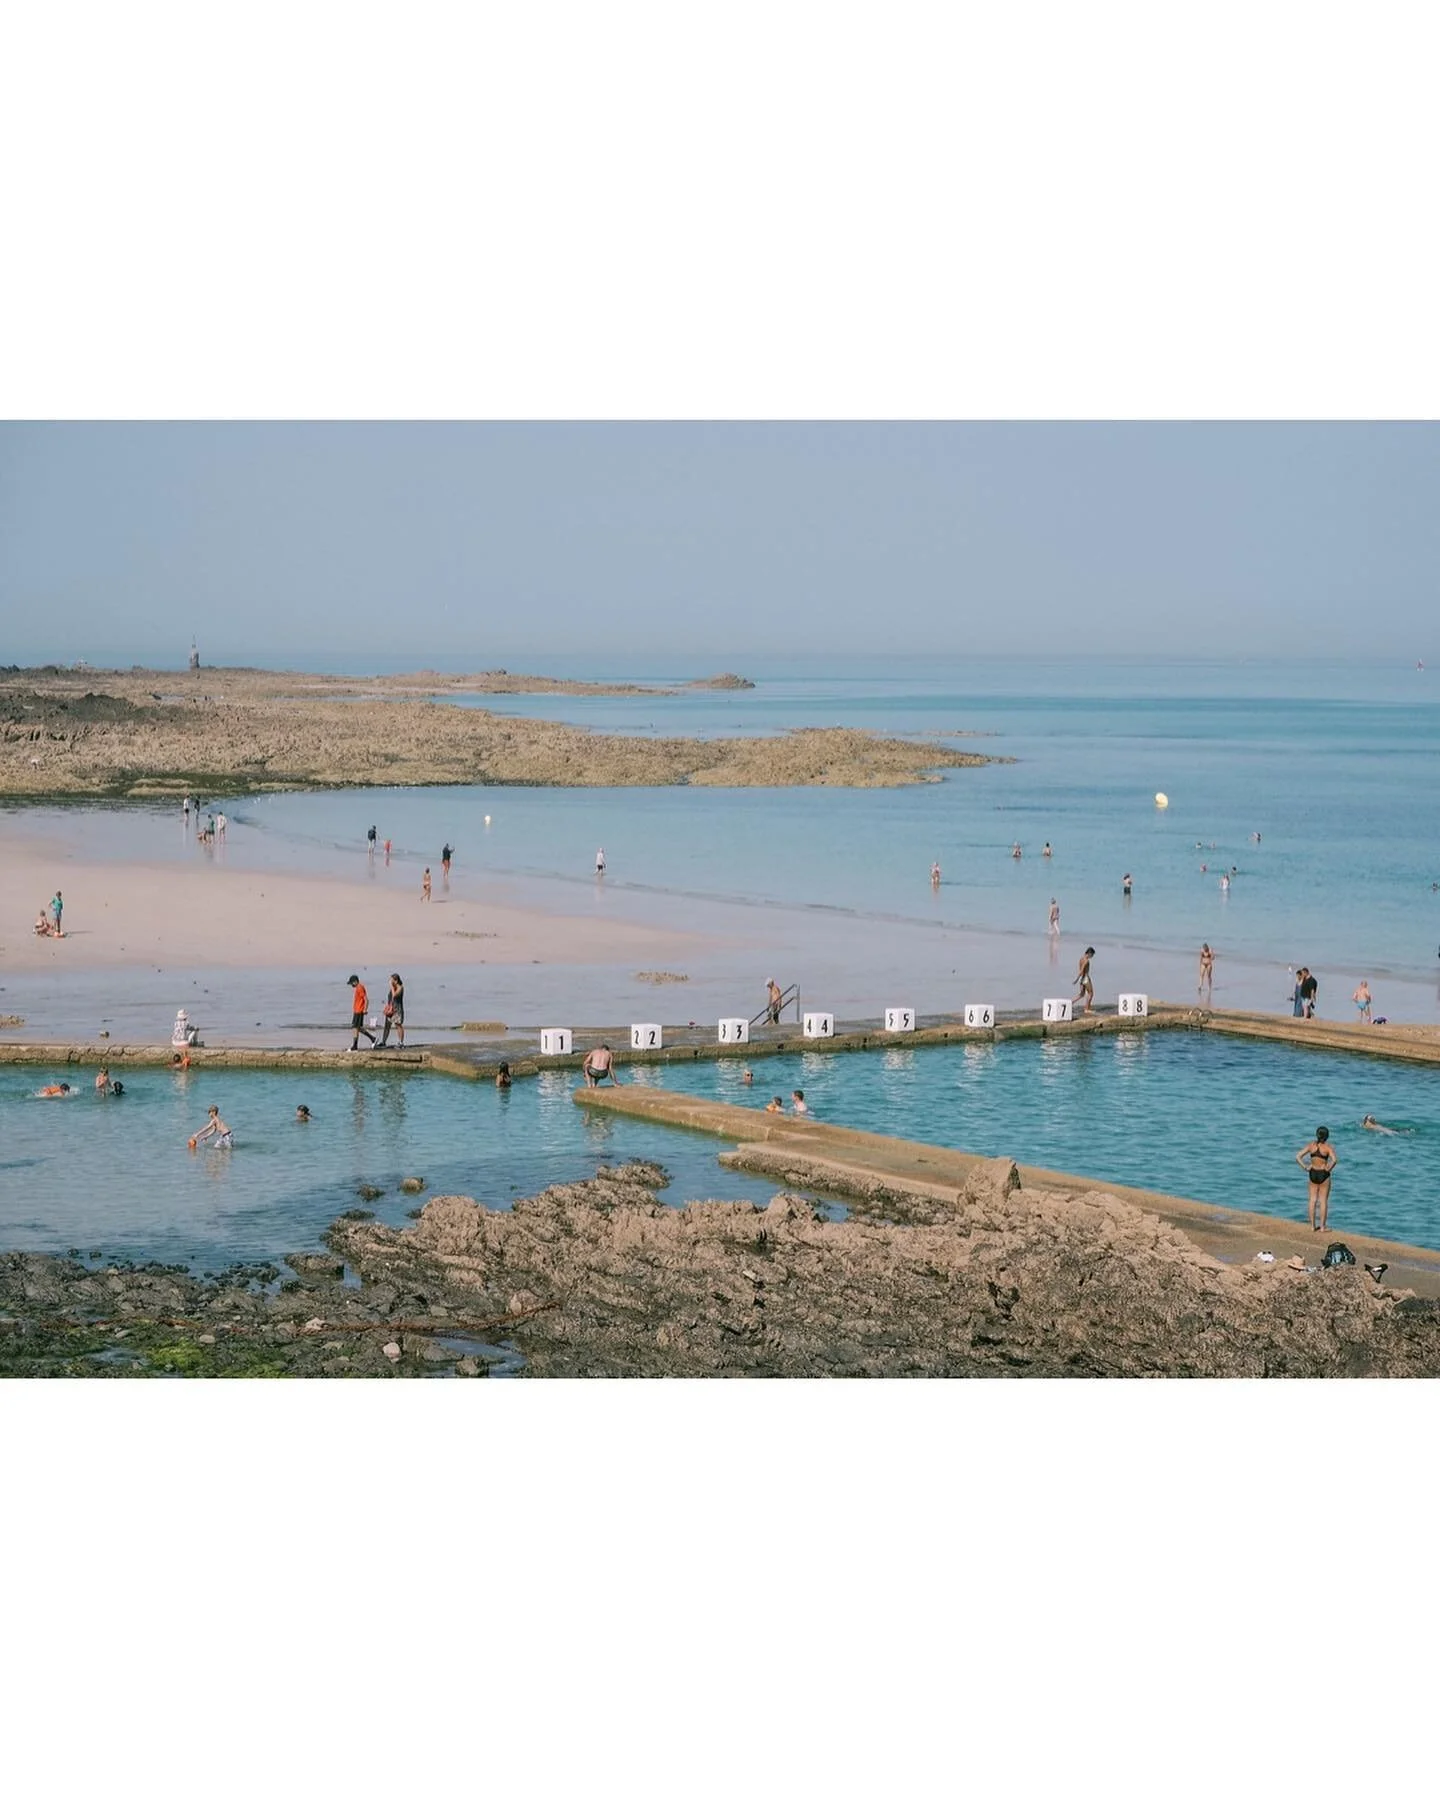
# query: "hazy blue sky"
672,541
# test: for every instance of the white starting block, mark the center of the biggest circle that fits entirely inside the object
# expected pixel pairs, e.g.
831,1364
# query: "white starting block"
819,1023
979,1017
555,1041
898,1018
1134,1004
734,1029
646,1035
1057,1010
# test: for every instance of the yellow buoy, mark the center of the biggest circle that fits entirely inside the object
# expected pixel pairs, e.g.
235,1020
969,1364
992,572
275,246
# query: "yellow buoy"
1161,800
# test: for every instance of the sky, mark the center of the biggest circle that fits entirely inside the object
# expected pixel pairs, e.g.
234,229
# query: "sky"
485,543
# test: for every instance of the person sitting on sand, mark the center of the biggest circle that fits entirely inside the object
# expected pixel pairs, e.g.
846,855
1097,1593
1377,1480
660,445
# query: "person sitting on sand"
1318,1159
59,1090
503,1079
798,1104
600,1064
42,924
102,1081
216,1129
773,996
302,1113
777,1103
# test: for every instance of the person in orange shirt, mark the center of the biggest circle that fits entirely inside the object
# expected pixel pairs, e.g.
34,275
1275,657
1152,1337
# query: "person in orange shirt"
358,1002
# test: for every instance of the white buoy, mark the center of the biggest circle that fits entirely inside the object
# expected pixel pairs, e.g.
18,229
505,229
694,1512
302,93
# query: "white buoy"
1161,801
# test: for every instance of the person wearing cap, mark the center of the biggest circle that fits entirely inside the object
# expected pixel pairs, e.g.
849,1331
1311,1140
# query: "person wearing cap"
358,1002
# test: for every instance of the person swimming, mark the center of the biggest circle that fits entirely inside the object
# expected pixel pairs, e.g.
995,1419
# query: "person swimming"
302,1113
502,1076
1369,1121
776,1103
215,1129
59,1090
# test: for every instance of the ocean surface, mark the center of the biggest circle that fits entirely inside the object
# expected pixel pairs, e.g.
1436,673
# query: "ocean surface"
1312,786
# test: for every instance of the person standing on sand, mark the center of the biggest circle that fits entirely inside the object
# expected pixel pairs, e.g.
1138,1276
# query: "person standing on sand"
1362,999
394,1012
445,864
1318,1159
1309,992
1083,980
1054,917
1207,971
359,999
1297,1002
425,887
57,908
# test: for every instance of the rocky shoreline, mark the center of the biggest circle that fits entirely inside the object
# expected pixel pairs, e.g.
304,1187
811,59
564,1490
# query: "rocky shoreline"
68,733
602,1279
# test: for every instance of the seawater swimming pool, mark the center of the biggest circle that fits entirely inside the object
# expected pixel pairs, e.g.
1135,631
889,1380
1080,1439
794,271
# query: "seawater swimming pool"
116,1175
1197,1115
1201,1116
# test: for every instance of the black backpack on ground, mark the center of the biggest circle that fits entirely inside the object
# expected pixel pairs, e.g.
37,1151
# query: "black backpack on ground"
1337,1255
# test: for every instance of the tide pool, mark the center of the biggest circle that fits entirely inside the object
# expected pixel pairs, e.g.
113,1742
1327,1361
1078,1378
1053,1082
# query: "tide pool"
115,1174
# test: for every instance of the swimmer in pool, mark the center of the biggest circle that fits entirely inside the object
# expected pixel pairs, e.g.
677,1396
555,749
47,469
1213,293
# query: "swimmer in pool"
1318,1159
502,1076
798,1104
215,1129
59,1090
102,1081
748,1077
776,1103
302,1113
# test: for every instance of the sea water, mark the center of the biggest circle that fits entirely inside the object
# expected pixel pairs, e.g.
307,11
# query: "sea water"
1201,1116
1189,1113
115,1174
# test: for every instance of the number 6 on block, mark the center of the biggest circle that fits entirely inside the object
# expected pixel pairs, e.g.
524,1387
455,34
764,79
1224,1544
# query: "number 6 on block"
979,1017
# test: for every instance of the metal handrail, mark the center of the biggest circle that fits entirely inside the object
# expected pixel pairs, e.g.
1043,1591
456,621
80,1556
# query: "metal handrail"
791,995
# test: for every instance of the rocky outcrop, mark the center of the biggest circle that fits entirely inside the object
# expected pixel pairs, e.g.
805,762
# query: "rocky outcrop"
1009,1282
235,731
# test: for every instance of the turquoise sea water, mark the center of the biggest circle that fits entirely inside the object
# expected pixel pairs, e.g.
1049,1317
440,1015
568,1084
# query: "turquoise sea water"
1199,1116
115,1174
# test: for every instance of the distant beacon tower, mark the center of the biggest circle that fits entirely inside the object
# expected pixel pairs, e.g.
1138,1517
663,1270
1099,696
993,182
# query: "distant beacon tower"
194,656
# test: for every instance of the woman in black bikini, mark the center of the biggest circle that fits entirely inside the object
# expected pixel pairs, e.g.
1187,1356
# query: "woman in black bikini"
1318,1158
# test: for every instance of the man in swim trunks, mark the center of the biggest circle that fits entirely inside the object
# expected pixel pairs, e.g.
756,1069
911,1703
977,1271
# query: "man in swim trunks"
359,1000
773,996
600,1064
1318,1159
1361,995
1083,980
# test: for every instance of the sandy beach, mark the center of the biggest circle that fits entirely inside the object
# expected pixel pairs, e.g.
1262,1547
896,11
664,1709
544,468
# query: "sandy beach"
139,914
